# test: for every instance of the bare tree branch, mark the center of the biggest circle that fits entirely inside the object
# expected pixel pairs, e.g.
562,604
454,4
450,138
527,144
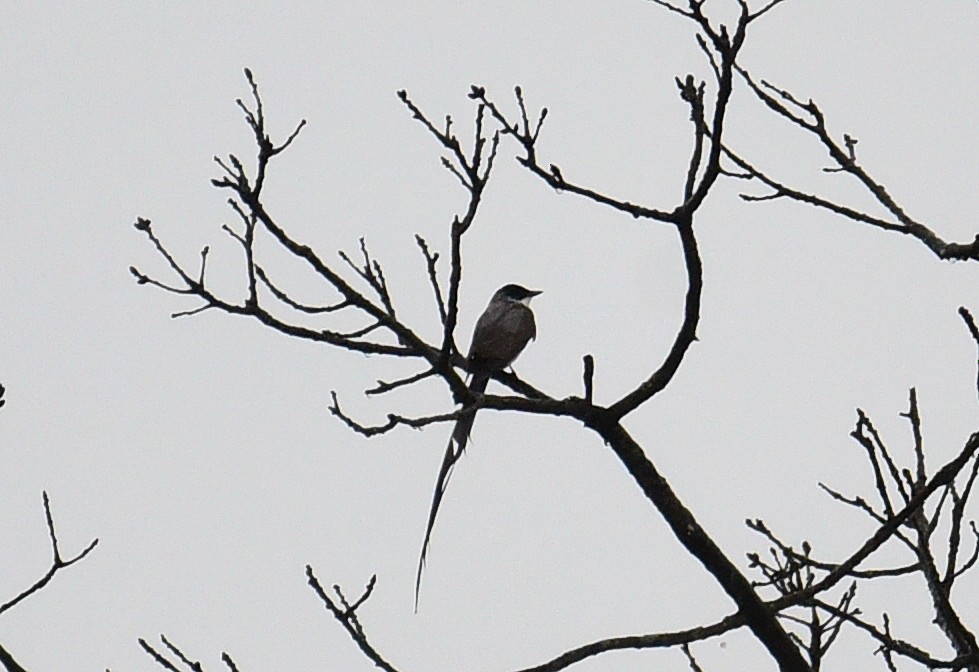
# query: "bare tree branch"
181,657
346,615
904,494
811,119
57,562
431,258
8,661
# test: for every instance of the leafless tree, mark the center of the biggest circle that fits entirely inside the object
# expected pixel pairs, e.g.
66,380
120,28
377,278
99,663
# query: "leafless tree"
811,599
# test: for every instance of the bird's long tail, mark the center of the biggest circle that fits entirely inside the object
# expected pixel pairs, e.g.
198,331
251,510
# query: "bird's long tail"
457,444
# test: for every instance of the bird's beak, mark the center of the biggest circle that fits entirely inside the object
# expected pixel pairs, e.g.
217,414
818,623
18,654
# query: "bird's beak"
531,293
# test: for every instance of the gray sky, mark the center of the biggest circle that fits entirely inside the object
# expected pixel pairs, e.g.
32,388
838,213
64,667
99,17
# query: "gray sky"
200,450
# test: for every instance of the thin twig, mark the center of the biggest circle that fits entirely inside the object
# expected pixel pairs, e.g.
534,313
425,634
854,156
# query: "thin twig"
57,562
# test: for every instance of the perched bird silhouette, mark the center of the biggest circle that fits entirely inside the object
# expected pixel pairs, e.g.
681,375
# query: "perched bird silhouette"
501,333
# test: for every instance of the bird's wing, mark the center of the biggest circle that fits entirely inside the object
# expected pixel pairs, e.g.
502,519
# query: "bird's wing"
501,334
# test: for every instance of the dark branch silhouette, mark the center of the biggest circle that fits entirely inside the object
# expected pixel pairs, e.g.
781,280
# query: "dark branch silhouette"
804,619
58,563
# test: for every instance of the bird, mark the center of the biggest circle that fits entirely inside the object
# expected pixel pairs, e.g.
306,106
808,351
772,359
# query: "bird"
501,333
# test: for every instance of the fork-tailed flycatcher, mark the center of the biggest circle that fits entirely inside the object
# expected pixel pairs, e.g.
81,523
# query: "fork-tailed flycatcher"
501,333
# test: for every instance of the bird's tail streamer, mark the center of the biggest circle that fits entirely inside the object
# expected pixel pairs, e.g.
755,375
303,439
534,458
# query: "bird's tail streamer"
457,444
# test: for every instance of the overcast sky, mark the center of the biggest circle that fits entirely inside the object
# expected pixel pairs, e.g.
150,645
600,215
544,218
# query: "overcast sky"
201,453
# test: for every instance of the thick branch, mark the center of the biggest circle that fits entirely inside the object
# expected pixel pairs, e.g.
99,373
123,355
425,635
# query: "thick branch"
759,618
8,661
651,641
686,335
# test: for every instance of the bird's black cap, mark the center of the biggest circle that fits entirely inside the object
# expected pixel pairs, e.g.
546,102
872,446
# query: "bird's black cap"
516,292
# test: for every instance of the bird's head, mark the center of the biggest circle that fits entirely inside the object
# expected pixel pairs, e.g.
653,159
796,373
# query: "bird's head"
515,293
